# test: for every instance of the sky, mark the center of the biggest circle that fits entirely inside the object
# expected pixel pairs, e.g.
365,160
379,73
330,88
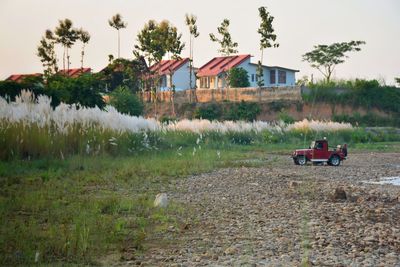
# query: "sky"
299,26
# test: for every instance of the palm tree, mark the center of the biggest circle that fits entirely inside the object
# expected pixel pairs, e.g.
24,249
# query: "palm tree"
191,23
117,23
84,37
66,35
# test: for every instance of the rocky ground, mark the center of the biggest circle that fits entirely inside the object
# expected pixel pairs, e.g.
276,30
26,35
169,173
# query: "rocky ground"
281,214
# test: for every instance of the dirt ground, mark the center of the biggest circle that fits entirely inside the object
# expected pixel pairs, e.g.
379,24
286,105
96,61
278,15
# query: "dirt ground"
280,214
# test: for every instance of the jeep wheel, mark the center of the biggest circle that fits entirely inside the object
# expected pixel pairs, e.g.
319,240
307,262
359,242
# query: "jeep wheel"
301,160
295,161
334,160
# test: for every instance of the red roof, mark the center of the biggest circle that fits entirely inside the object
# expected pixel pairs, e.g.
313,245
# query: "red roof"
20,77
168,66
73,73
218,65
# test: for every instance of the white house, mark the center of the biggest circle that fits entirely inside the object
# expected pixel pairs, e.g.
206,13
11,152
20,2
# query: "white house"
178,69
213,73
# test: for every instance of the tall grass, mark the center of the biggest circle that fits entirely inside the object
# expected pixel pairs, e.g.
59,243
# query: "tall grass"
31,129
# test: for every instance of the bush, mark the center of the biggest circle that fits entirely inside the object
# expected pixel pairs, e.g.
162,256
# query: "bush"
209,112
126,102
245,111
364,93
238,77
369,119
285,117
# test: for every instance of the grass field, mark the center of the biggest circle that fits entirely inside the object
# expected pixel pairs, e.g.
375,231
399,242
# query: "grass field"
78,210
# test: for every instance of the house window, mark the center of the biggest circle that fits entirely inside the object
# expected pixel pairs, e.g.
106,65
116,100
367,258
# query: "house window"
205,82
272,77
282,76
252,77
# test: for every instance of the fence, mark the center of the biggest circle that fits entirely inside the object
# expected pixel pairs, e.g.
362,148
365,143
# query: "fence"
250,94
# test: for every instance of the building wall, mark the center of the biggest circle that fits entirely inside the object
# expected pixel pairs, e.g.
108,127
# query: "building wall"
180,79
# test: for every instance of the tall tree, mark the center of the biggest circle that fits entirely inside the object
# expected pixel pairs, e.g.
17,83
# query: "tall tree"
326,57
84,37
227,45
267,40
47,55
155,41
117,23
190,21
66,35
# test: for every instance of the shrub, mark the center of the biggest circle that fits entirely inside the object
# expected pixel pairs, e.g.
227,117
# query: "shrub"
208,112
285,117
245,111
126,102
365,93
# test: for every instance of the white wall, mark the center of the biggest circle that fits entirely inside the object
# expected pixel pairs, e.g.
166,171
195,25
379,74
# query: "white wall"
181,79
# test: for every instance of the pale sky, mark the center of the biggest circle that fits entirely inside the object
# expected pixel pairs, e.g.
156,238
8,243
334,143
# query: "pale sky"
298,24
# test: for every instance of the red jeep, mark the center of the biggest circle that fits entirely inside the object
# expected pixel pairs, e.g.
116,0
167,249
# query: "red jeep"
319,153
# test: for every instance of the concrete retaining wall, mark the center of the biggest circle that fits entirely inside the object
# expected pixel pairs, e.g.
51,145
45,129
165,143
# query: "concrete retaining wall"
251,94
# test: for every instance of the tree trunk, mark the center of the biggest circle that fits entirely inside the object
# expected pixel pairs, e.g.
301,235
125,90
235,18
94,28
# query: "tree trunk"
190,68
64,60
118,45
67,60
82,54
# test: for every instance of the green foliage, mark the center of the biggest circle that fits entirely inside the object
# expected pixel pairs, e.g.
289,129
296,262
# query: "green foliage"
47,55
208,112
326,57
85,90
285,117
238,77
124,72
167,119
227,45
126,102
11,89
116,22
245,111
278,105
369,119
363,93
157,39
266,30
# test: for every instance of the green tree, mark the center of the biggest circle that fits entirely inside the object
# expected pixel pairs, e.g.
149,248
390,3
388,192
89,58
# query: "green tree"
227,45
238,77
84,37
190,21
325,57
155,41
268,39
117,23
85,90
124,72
125,101
47,55
66,35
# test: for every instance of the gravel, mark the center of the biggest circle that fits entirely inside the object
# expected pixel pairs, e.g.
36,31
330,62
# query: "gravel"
281,214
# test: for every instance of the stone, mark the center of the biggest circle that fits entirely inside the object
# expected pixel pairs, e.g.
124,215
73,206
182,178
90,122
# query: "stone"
161,200
230,251
339,194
